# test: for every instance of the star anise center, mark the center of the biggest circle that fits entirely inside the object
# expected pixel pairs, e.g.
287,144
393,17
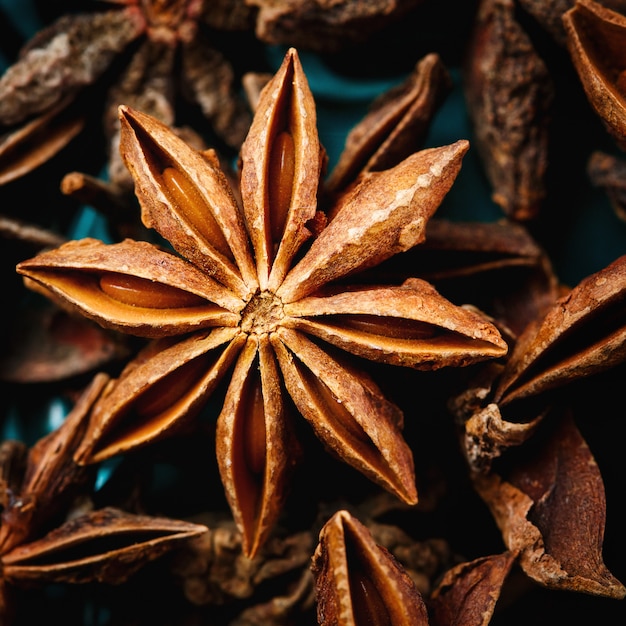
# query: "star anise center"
262,314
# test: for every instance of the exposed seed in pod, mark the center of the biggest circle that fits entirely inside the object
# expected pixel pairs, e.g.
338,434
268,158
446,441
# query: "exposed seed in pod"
389,326
281,171
185,195
145,293
254,429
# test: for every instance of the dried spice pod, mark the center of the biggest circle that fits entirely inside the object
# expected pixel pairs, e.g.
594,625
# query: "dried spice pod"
359,581
509,92
467,593
43,536
106,545
142,54
550,14
595,41
550,507
247,274
50,478
395,125
581,335
322,26
27,147
497,266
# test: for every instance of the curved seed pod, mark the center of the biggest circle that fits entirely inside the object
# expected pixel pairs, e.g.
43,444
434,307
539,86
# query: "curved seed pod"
281,171
156,391
187,199
372,225
359,582
348,413
107,546
28,147
468,592
595,40
131,286
509,93
551,510
582,334
51,477
254,443
395,126
63,58
411,325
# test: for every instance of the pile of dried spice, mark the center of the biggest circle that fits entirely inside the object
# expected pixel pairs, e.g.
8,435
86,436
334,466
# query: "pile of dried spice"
312,333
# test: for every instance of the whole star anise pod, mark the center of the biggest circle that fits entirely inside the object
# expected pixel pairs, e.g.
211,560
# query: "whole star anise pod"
250,300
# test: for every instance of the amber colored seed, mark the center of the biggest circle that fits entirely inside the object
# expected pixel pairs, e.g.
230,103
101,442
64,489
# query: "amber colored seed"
367,605
145,293
254,429
281,172
186,197
389,327
170,389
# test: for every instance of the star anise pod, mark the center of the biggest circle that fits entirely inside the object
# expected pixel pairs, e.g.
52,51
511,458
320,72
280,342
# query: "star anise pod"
527,458
595,36
325,26
251,300
509,93
47,535
581,335
146,54
359,581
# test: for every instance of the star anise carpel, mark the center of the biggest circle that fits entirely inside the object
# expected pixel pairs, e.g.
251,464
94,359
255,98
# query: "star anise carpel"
49,530
248,291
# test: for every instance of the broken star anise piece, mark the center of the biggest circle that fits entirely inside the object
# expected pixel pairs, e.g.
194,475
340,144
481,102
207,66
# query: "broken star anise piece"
595,40
250,299
359,581
550,506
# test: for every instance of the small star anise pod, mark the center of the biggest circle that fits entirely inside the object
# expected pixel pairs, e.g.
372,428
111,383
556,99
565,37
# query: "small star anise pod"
249,299
509,94
144,53
359,581
48,534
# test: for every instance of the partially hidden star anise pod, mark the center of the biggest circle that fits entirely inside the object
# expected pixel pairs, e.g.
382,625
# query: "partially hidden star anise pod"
596,36
106,545
325,26
581,335
249,298
395,125
359,581
551,509
467,593
509,94
45,533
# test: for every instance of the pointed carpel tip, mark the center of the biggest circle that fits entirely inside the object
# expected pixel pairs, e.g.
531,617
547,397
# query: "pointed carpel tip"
461,146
